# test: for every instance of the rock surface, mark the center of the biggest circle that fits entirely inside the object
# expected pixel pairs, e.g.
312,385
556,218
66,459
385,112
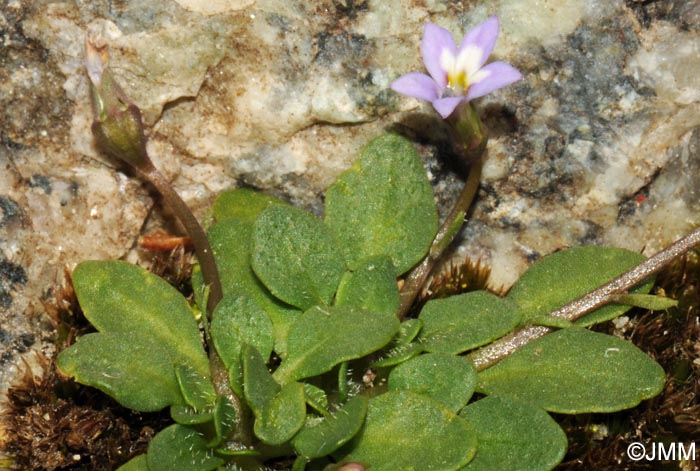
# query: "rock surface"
600,144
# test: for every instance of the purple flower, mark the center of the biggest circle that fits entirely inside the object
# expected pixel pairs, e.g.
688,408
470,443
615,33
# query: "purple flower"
457,75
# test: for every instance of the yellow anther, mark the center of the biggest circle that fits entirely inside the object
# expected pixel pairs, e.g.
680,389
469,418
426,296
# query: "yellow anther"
458,80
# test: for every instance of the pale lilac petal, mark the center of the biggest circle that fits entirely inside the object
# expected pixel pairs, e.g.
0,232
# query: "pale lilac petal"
445,106
492,77
416,85
435,41
483,38
96,55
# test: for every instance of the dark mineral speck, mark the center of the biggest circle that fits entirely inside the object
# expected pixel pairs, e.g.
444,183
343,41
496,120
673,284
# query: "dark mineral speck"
11,275
9,209
24,341
683,13
41,181
5,337
350,8
349,46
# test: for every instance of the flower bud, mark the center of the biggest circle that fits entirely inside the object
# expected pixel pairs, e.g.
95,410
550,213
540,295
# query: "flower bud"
117,124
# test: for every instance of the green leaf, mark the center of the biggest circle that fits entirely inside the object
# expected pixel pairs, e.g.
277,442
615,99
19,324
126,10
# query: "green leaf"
243,452
119,297
399,354
323,337
466,321
316,398
320,437
139,463
282,416
197,390
561,277
279,411
296,257
372,286
411,432
239,320
186,415
513,435
401,349
646,301
235,377
146,327
575,371
180,448
408,331
139,374
550,321
231,241
383,205
225,419
299,464
242,204
344,381
259,386
446,378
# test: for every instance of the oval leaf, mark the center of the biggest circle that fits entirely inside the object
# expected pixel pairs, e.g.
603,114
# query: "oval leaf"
320,437
561,277
383,205
295,256
282,416
646,301
146,328
259,386
398,354
231,240
225,419
575,371
239,320
401,349
460,323
372,286
513,435
180,448
242,204
136,372
197,390
316,398
323,337
119,297
407,431
408,331
186,415
448,379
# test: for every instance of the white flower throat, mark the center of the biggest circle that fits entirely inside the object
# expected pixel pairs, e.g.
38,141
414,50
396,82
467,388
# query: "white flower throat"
463,70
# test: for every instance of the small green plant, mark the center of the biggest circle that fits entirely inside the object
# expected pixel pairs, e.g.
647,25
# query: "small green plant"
322,295
306,356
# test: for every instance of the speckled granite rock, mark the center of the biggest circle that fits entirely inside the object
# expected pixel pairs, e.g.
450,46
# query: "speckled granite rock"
599,144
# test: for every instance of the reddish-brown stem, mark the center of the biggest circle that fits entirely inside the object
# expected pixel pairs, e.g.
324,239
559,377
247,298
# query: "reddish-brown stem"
202,249
469,139
416,278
